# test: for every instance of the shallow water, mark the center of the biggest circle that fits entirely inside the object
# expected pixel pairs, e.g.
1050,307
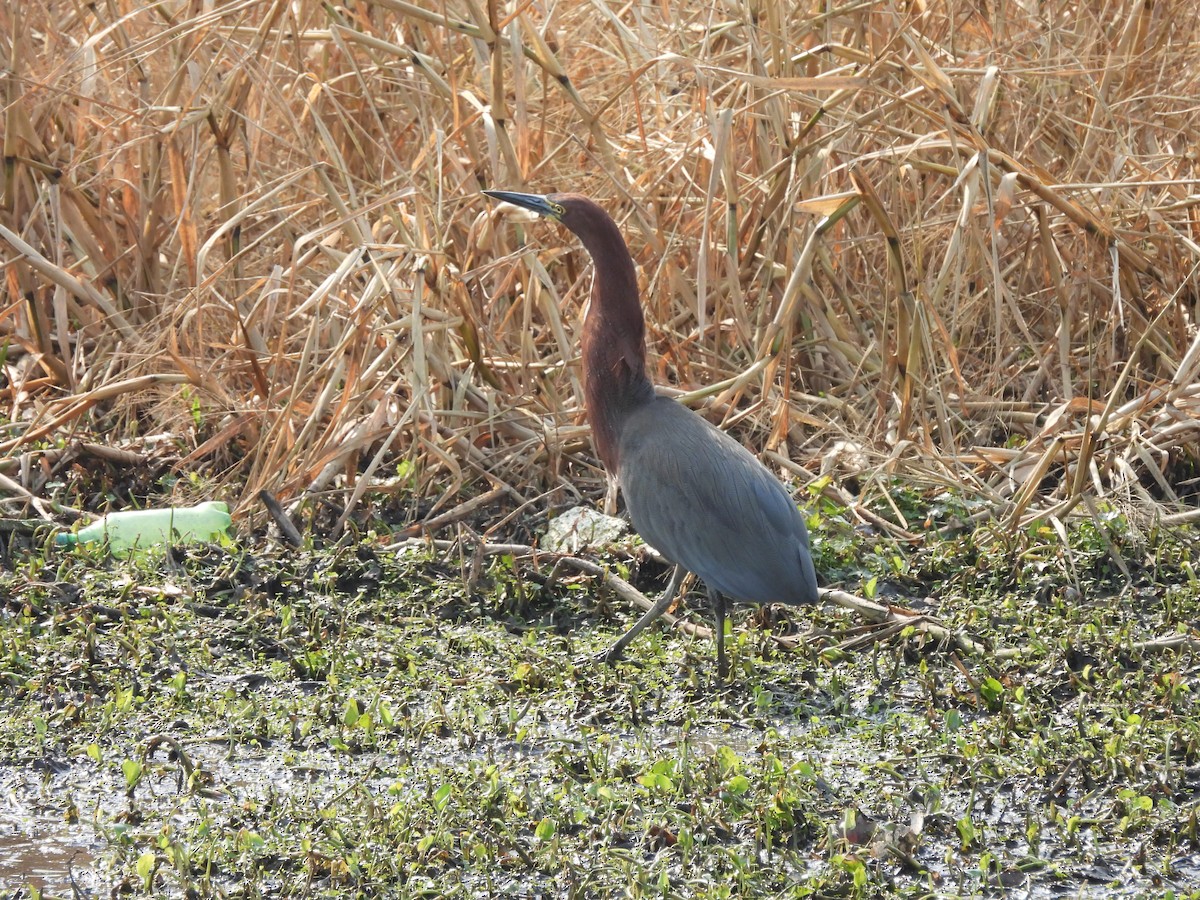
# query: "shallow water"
45,854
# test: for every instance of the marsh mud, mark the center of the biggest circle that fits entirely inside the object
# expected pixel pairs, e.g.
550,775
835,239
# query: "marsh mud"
362,722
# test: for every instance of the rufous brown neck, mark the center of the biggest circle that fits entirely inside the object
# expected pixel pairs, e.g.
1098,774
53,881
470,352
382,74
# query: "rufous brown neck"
613,345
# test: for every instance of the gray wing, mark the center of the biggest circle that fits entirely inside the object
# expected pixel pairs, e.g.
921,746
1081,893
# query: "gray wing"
704,501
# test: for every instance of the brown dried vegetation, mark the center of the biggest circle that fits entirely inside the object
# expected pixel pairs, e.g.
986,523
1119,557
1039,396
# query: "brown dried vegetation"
952,243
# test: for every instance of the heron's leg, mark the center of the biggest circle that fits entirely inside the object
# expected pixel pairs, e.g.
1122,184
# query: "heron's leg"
718,601
613,653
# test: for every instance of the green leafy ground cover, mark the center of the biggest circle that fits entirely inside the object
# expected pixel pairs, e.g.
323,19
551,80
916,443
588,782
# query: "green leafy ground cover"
353,721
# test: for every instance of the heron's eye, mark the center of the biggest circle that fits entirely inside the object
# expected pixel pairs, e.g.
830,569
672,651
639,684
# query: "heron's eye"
559,209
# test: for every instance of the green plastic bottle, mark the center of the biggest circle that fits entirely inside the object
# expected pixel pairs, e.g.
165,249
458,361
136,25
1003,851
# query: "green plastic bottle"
146,528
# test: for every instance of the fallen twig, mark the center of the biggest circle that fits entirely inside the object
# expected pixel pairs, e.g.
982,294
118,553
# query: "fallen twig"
457,514
287,529
1170,642
877,612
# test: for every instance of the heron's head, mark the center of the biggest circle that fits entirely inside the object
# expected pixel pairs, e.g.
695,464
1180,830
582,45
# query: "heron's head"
576,212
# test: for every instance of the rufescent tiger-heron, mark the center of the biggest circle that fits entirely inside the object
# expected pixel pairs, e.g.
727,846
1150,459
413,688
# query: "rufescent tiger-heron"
693,492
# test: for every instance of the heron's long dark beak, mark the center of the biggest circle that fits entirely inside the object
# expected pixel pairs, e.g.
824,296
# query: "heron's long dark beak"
535,202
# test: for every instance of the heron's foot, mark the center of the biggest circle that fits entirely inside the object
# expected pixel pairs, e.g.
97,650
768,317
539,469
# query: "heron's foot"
604,657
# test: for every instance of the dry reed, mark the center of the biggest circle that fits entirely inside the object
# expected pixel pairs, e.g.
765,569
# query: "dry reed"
914,241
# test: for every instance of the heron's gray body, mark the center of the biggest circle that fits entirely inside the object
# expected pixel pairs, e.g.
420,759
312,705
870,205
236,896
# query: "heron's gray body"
702,500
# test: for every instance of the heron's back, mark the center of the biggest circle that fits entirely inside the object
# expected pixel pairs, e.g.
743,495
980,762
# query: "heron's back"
703,501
